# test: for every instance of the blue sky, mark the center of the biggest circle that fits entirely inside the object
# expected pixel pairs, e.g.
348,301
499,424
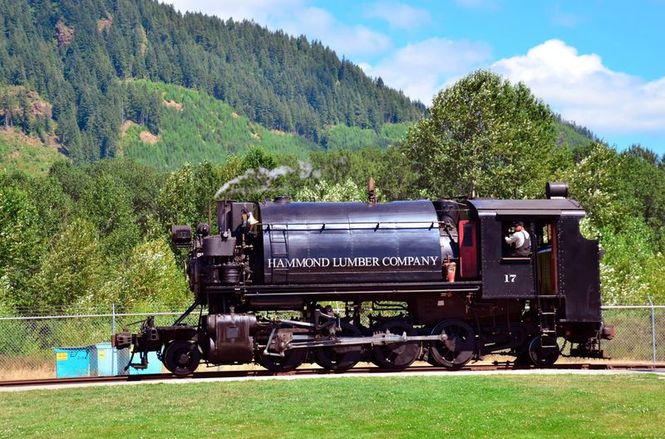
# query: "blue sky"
598,63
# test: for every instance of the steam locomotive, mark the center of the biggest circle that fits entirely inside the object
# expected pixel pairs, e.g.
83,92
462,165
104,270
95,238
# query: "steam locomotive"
281,283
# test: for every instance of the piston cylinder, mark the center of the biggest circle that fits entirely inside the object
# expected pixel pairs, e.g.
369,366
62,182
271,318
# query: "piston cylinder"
230,338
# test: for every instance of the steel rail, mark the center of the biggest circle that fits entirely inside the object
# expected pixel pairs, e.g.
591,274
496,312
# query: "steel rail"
497,366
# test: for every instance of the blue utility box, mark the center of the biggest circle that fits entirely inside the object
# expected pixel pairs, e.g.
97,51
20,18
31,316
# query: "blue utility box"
103,363
154,364
73,362
109,361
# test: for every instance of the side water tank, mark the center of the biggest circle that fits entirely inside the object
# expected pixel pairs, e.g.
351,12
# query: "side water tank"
350,242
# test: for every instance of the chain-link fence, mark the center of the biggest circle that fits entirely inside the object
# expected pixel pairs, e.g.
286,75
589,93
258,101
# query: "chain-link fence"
640,332
28,343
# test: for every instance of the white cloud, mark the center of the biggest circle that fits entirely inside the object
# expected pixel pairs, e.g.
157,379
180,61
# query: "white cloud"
399,15
582,89
347,40
296,17
424,68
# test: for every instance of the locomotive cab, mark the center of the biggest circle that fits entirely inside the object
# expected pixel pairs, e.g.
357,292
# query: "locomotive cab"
559,277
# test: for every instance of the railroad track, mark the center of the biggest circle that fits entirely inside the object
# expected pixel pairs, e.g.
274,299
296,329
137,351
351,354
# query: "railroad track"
317,371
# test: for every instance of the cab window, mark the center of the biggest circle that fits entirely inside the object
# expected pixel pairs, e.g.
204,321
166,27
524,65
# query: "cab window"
516,239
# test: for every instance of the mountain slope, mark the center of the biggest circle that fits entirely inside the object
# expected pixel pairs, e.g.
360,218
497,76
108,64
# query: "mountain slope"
355,138
77,53
25,153
195,127
572,135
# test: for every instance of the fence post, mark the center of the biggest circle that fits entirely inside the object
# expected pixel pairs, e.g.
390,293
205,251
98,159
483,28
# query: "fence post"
112,334
653,330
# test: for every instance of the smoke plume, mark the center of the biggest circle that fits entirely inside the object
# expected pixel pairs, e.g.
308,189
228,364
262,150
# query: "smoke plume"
261,179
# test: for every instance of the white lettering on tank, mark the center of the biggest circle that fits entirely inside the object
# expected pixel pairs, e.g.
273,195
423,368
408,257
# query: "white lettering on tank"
362,261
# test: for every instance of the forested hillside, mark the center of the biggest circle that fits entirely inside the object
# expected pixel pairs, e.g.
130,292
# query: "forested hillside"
79,55
572,135
29,154
195,128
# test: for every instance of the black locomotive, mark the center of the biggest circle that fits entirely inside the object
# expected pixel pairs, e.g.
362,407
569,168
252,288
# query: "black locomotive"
282,283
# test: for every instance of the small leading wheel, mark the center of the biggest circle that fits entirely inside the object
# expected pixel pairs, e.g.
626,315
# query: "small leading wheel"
343,357
292,359
543,351
395,355
182,357
457,349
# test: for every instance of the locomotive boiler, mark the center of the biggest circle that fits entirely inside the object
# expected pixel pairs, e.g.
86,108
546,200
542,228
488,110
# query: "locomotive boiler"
281,283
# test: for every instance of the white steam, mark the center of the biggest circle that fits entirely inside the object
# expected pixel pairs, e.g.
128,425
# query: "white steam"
261,179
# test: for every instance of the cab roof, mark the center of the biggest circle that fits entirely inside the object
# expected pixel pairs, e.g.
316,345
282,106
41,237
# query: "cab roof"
542,207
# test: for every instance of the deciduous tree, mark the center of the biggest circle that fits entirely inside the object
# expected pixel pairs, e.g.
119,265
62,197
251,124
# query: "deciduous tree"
485,137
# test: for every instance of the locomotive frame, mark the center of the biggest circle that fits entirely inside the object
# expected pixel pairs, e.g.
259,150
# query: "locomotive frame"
284,256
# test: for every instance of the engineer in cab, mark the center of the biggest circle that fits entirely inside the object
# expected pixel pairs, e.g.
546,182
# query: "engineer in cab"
520,241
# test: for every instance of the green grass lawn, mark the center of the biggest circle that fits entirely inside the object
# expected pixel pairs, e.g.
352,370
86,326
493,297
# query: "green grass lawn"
487,406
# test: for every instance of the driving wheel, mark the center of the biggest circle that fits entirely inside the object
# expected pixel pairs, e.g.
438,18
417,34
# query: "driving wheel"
398,355
457,349
291,360
340,358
